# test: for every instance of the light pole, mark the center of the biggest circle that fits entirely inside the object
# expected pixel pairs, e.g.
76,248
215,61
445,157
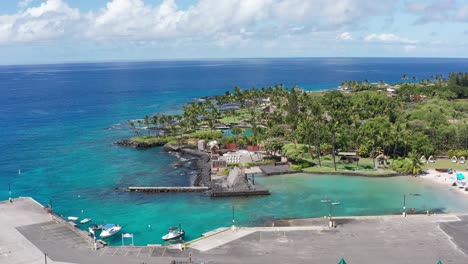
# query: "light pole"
233,219
404,202
9,193
404,205
330,210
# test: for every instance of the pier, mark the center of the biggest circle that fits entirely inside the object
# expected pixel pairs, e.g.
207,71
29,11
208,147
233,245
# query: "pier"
168,189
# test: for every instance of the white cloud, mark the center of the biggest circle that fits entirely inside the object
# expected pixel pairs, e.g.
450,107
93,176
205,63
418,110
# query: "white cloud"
205,21
462,14
345,36
409,48
24,3
388,38
432,10
50,20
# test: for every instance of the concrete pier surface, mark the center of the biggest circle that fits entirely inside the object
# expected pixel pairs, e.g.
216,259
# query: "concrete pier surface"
27,231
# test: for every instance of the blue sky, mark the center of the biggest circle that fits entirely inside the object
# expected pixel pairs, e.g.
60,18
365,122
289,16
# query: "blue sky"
48,31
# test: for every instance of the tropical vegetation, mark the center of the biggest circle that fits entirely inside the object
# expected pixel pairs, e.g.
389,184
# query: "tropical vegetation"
400,122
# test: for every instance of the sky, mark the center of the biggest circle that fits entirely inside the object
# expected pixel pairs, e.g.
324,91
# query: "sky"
53,31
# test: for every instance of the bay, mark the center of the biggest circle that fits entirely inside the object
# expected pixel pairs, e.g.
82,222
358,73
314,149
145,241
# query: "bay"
59,122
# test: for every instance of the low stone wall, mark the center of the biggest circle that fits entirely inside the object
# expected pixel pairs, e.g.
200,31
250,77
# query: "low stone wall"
277,169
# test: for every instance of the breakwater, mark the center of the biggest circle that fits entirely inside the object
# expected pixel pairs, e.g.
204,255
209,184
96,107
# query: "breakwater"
203,163
167,189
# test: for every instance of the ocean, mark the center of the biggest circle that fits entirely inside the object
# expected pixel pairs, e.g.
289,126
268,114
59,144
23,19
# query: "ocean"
59,122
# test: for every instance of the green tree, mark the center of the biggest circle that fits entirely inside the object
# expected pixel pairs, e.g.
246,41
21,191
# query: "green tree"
236,131
413,164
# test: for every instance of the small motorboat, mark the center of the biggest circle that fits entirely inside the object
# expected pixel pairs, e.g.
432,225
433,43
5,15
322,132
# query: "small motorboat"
174,233
336,203
84,221
73,218
325,200
109,230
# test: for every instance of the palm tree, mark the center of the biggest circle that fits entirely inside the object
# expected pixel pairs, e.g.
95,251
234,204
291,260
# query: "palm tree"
147,123
413,165
236,131
404,77
132,124
155,120
139,122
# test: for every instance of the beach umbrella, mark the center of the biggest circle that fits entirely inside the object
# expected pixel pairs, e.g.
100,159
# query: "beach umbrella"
342,261
440,262
460,176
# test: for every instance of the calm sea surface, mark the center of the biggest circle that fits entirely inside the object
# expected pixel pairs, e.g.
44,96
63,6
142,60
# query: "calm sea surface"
58,123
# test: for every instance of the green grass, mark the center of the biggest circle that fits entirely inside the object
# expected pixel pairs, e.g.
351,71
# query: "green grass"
365,167
240,116
152,139
230,119
445,164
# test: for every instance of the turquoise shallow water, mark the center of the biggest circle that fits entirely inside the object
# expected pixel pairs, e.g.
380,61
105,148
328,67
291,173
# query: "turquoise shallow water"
59,122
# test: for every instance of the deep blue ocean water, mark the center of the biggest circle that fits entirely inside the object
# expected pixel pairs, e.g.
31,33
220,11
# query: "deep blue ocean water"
58,123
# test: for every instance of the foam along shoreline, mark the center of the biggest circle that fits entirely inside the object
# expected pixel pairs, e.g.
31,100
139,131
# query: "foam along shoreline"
445,179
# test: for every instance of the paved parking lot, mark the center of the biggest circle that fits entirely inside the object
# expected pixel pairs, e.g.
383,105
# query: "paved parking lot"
28,232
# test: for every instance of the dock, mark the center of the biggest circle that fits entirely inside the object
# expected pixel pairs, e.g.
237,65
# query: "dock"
168,189
251,192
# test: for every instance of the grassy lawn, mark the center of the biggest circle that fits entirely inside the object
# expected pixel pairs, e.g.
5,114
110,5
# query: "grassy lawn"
445,164
240,116
365,167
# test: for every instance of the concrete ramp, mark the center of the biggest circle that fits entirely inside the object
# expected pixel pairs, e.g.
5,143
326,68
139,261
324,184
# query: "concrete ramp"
224,237
220,239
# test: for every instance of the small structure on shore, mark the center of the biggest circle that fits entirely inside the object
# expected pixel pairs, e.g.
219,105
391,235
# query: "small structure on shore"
381,159
237,184
454,159
430,159
423,159
348,157
461,160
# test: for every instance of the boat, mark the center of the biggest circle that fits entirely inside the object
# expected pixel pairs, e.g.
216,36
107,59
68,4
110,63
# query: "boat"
73,218
325,200
336,203
109,230
84,221
174,233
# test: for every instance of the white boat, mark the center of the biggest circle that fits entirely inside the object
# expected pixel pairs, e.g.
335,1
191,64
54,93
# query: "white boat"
325,200
84,221
73,218
336,203
109,230
174,233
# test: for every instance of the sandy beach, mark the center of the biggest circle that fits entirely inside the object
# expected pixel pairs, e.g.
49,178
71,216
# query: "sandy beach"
445,179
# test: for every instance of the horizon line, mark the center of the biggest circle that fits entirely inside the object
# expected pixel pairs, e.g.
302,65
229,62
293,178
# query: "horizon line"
208,59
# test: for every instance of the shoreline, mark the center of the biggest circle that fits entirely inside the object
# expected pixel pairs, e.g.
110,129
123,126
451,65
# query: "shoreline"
355,174
443,179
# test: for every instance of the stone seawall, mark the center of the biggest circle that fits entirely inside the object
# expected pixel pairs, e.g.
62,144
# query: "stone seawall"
203,163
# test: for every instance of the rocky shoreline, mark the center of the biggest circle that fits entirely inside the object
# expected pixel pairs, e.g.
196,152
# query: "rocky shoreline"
203,163
203,168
